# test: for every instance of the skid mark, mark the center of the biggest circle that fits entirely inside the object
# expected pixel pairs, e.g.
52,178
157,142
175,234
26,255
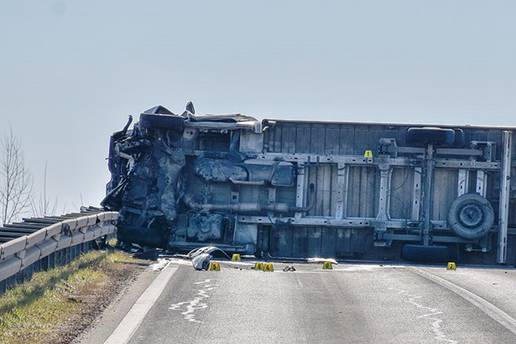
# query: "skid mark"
430,314
189,307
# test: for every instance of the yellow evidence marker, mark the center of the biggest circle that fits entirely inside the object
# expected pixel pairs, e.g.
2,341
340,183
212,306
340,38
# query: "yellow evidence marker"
327,265
214,266
268,267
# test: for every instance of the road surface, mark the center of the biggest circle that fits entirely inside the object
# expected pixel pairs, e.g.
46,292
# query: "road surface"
350,304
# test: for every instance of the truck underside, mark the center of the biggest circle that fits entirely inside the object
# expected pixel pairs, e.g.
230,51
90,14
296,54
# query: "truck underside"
304,189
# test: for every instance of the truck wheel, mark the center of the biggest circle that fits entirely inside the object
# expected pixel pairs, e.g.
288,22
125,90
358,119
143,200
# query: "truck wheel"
158,121
422,136
471,216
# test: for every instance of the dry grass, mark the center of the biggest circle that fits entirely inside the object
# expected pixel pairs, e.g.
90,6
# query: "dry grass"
31,312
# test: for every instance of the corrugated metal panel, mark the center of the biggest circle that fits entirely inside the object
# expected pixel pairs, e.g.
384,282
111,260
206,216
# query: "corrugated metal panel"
324,179
402,184
364,183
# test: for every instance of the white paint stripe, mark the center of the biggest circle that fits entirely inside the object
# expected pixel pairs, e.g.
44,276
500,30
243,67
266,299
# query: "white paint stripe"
487,307
132,320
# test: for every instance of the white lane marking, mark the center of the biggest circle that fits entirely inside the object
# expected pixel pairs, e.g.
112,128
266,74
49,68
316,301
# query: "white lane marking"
431,315
133,319
190,306
485,306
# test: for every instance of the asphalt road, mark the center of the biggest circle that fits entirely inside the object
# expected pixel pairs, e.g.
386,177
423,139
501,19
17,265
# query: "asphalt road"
351,304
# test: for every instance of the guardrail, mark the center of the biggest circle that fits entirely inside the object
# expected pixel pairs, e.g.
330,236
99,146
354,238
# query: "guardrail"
30,244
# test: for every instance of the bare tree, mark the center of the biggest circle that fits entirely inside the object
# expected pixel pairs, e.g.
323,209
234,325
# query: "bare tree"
43,206
15,179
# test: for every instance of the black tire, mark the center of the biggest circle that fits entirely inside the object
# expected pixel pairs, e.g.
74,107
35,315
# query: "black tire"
157,121
421,253
423,136
471,216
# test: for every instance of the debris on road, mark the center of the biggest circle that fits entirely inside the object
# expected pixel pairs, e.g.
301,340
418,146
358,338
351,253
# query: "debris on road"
318,260
289,268
201,257
202,261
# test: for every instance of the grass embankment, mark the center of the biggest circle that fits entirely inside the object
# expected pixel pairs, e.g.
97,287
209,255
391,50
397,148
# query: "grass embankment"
50,307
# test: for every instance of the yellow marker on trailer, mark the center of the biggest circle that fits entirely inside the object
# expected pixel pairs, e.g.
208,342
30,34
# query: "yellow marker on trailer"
451,266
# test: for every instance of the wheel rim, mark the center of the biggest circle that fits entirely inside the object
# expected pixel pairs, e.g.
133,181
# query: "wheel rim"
471,215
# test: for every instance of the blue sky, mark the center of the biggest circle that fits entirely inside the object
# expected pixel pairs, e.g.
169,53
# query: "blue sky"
71,71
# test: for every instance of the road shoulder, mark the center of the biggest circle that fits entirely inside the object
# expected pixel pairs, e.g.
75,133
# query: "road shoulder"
108,321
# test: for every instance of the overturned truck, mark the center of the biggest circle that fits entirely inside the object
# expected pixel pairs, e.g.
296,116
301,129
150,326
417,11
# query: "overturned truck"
286,188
